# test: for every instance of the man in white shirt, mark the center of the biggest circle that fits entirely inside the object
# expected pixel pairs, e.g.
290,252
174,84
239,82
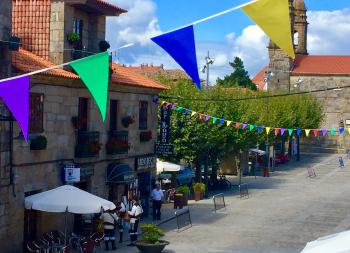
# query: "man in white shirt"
157,196
110,220
135,214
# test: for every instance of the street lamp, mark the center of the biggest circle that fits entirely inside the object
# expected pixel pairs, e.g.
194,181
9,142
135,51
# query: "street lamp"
208,61
268,75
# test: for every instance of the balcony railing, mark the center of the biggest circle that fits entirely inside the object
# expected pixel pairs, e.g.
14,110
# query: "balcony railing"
117,143
87,144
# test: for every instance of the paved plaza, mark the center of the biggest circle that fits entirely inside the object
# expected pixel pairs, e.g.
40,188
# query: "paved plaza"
282,214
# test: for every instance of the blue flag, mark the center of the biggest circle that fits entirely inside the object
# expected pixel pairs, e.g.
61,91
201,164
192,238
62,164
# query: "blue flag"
180,45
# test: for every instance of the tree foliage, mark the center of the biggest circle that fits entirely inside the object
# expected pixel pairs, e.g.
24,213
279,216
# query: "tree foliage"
239,77
196,141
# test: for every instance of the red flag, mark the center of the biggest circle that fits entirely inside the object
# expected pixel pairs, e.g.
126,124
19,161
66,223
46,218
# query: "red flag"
315,132
277,131
238,124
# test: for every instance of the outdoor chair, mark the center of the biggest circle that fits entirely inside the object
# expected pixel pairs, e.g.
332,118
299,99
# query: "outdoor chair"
88,246
66,249
57,236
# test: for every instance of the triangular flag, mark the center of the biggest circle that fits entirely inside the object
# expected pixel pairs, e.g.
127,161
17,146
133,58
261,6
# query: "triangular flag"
221,121
349,130
179,108
299,132
94,72
274,19
229,123
332,131
259,128
200,116
238,124
193,113
180,45
315,132
290,132
277,131
324,132
251,127
214,120
187,111
341,130
15,94
268,130
307,132
244,126
207,117
282,131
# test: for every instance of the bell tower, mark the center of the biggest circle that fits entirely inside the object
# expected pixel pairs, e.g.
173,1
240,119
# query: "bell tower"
300,27
280,63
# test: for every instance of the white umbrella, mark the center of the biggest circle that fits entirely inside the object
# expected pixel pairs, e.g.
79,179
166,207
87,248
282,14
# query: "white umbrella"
336,243
170,167
67,198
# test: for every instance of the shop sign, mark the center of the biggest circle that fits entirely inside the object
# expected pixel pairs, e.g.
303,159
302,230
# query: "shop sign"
145,162
165,125
164,149
72,174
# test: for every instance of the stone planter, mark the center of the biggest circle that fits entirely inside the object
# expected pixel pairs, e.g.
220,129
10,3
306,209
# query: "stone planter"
197,195
151,248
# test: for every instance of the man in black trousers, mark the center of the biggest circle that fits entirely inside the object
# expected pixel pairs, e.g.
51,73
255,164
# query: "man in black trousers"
156,197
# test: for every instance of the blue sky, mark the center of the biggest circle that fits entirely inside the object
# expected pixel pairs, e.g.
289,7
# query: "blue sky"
231,35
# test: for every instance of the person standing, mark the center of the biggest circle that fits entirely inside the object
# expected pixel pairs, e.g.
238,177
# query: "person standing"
110,219
121,210
156,197
135,214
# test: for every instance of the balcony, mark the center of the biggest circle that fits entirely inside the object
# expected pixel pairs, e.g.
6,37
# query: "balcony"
117,143
87,144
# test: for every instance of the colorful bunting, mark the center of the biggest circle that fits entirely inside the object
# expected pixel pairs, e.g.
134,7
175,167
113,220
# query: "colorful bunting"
200,116
179,108
268,130
341,130
259,129
290,132
187,111
274,19
214,120
244,126
251,127
207,117
94,72
277,130
229,123
299,132
238,124
282,131
324,132
315,132
349,130
15,94
307,132
163,102
221,121
332,132
193,113
180,45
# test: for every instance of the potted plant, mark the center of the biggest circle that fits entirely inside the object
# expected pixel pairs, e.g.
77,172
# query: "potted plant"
146,136
128,120
38,143
178,201
73,37
104,45
184,190
150,242
198,189
117,146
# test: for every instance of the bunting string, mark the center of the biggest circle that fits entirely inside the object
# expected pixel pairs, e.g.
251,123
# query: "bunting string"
256,127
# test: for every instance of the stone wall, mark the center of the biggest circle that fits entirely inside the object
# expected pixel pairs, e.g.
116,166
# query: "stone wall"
5,32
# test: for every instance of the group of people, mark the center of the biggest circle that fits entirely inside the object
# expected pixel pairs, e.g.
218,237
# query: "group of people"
118,218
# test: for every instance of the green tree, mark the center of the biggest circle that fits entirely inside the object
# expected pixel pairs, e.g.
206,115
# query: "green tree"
239,77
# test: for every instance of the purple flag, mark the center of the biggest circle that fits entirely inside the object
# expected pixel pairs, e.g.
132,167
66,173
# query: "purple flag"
180,45
244,126
207,117
282,131
324,132
15,94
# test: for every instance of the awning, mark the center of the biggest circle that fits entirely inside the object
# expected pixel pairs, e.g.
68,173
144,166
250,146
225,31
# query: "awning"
119,174
169,167
257,151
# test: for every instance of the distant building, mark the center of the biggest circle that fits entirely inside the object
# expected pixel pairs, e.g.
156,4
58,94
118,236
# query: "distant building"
312,72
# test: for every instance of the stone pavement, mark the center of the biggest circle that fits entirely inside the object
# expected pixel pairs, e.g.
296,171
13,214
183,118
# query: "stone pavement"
282,214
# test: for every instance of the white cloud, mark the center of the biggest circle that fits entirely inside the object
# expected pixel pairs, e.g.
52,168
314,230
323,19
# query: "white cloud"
329,32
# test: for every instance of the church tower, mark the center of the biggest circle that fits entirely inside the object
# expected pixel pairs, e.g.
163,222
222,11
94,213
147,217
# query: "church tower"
280,63
300,27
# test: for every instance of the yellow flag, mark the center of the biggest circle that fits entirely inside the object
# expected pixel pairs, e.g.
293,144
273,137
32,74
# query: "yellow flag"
268,130
272,16
163,102
349,130
229,123
193,113
307,132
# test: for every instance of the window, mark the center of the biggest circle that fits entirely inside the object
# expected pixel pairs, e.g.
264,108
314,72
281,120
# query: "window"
78,27
36,114
143,115
113,118
83,114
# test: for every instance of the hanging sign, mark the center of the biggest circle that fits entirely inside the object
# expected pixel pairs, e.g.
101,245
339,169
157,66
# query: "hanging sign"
165,125
72,174
164,149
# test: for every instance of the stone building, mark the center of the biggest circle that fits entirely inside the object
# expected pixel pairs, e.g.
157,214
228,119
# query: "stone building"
312,72
115,158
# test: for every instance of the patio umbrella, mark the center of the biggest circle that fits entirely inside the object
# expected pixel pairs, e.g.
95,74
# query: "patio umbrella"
68,199
336,243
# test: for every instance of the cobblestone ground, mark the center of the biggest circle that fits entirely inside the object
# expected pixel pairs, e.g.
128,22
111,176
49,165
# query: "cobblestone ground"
282,214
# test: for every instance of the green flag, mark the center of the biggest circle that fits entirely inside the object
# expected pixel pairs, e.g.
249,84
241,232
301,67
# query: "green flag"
290,131
251,127
214,120
332,131
179,108
94,72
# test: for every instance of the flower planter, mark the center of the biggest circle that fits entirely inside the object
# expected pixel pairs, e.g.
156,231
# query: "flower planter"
146,136
38,143
145,247
198,195
126,121
178,201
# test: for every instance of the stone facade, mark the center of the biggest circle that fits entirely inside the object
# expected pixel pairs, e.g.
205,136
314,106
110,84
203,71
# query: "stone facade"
5,32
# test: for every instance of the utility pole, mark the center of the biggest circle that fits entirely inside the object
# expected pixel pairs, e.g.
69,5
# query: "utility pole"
208,61
268,75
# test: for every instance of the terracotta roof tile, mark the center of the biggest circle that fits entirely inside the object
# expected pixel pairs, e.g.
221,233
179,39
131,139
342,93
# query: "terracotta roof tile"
116,8
128,76
258,80
322,65
26,62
